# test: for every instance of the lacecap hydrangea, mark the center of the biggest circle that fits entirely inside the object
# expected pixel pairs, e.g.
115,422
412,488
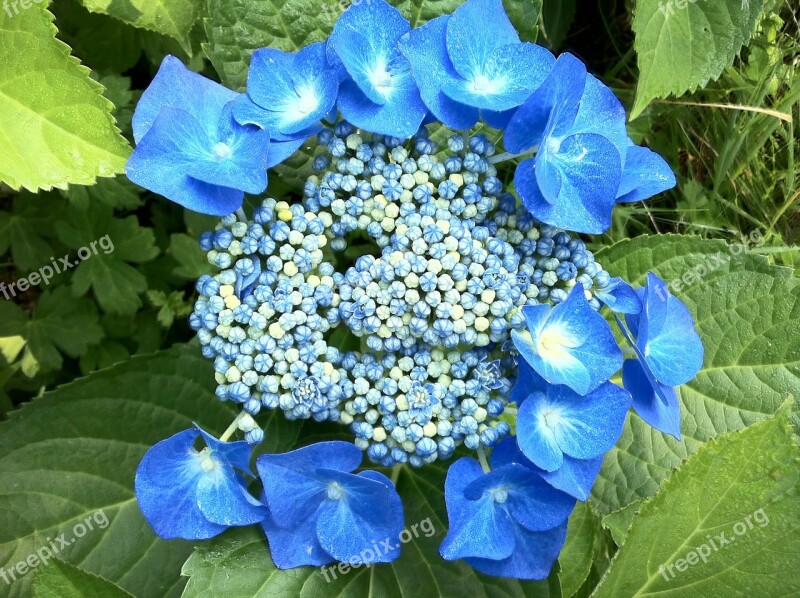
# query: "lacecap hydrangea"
407,291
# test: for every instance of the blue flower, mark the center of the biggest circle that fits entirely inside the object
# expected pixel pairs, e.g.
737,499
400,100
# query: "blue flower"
578,126
288,94
569,344
190,149
669,352
508,522
195,495
474,60
560,422
645,175
320,512
575,476
619,297
381,95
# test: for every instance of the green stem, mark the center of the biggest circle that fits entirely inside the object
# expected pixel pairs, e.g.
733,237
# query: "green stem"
232,428
506,156
482,460
396,472
241,215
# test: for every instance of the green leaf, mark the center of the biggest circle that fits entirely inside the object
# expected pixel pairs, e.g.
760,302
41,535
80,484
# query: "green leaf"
172,306
578,553
681,44
107,353
619,522
26,229
524,15
192,260
73,453
60,324
106,246
238,563
727,520
747,313
62,580
57,126
174,18
557,17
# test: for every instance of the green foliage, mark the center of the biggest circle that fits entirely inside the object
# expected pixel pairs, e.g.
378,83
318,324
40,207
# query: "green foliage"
743,485
681,45
748,315
62,580
57,126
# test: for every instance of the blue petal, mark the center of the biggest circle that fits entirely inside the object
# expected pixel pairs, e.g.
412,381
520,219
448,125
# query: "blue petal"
645,174
292,484
564,422
176,86
667,337
572,182
600,112
425,49
235,453
555,103
497,120
247,112
534,555
575,476
282,150
401,115
531,502
474,31
477,527
527,382
223,500
371,511
620,297
295,547
655,403
365,39
293,91
162,158
505,81
237,160
569,344
166,484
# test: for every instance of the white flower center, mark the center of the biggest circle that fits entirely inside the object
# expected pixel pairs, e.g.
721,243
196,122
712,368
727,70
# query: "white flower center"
553,343
335,491
483,85
222,152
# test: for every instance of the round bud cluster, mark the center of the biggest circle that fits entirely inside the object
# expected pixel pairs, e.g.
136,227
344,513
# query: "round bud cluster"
263,317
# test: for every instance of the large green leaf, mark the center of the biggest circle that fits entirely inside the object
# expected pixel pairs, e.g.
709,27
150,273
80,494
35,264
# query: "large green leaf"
682,44
62,580
174,18
57,126
578,552
72,454
748,316
238,564
725,523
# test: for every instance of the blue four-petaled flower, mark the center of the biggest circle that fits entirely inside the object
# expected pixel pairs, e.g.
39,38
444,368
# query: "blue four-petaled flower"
321,512
195,495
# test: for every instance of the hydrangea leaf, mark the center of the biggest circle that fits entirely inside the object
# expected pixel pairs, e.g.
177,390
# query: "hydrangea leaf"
619,522
192,261
107,271
747,313
57,126
524,15
682,45
59,324
174,18
578,553
557,17
733,505
105,423
238,563
61,580
26,228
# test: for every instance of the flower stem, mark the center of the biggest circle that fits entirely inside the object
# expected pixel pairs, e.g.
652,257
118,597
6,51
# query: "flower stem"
242,216
232,428
482,459
506,156
396,472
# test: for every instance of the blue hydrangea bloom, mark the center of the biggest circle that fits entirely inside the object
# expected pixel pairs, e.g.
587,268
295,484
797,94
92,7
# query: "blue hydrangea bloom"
620,297
560,422
381,94
288,94
195,495
321,512
569,344
578,126
508,522
645,175
669,351
190,149
471,60
575,476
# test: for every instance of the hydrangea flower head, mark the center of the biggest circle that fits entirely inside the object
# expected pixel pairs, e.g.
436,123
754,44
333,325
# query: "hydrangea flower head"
194,495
